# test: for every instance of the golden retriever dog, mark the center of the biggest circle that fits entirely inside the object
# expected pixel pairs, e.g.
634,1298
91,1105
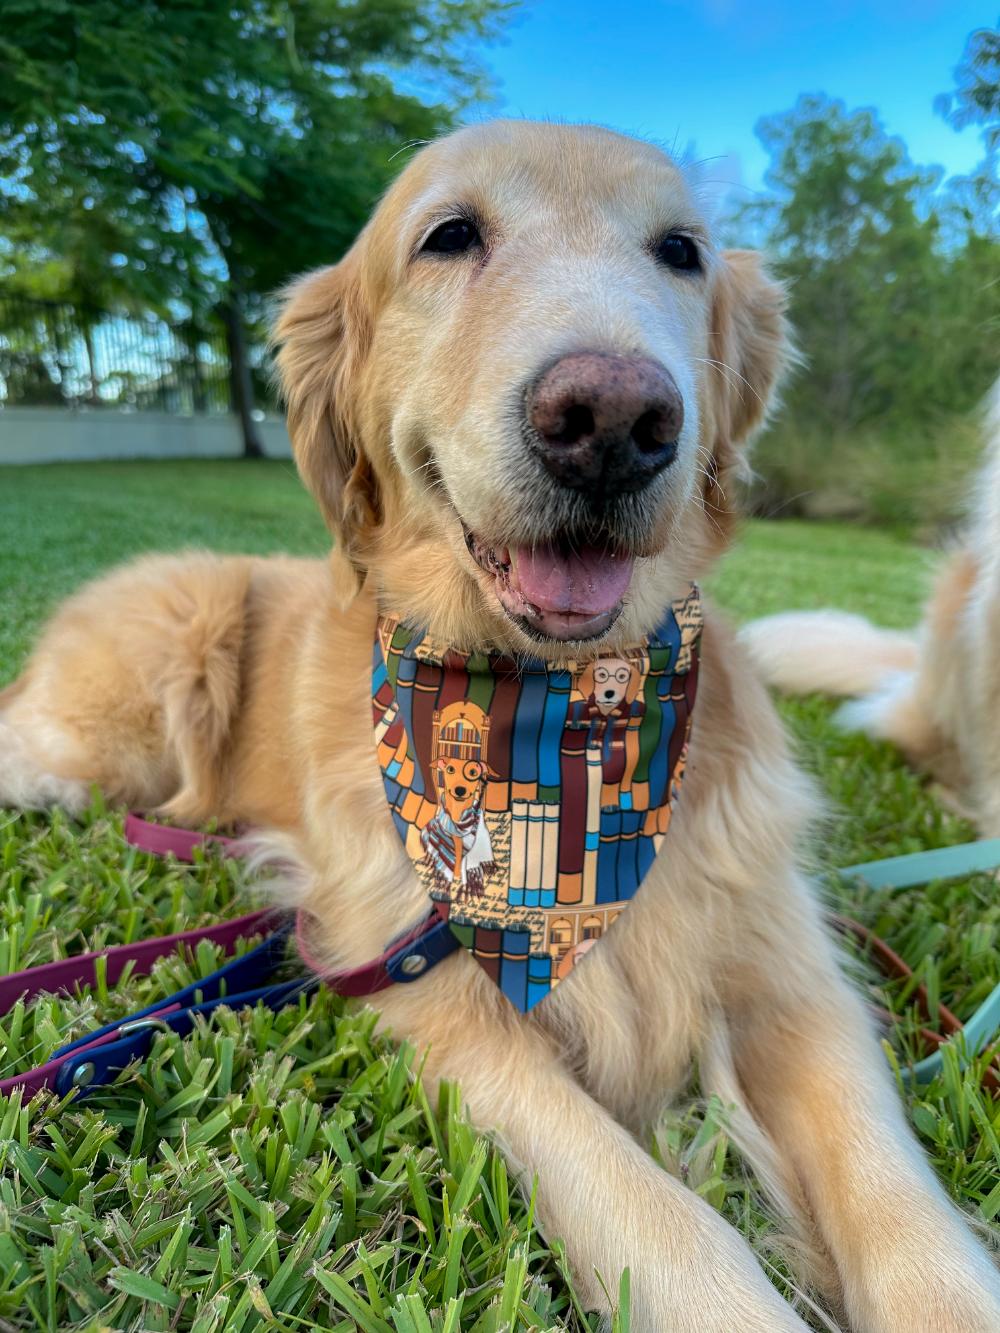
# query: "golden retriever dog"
521,401
935,693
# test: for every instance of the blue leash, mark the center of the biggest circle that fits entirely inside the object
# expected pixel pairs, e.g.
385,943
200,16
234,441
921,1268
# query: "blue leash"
97,1057
903,872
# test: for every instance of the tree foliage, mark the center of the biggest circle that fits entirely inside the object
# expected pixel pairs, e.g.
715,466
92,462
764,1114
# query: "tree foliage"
894,299
198,152
194,130
976,98
975,101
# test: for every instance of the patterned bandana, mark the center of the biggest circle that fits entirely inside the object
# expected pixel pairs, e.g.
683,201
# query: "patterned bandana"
532,800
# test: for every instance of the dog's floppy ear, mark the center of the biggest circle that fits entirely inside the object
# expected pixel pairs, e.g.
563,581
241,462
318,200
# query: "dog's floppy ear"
585,681
749,345
323,333
634,680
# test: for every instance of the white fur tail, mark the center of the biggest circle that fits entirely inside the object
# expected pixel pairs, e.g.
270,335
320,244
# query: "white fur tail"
832,652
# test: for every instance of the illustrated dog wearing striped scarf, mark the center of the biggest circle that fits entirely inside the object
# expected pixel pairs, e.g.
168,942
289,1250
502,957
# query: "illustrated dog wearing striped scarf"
456,840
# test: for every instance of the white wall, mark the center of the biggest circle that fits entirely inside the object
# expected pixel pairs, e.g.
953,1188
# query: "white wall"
57,435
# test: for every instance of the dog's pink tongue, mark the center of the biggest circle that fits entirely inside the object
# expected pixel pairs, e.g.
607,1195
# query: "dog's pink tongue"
587,582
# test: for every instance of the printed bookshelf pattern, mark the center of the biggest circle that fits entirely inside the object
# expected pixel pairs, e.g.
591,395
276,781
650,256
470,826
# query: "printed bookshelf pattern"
533,800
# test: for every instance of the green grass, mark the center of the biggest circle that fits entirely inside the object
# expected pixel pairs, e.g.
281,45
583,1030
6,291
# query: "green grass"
288,1172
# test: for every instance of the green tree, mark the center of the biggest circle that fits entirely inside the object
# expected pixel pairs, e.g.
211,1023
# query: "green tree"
204,150
847,219
970,211
975,101
893,300
976,97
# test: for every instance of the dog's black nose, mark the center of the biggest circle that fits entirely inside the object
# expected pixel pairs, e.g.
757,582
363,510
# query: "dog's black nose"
460,792
605,424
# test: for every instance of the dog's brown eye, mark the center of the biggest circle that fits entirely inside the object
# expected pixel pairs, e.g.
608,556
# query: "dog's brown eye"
453,237
680,252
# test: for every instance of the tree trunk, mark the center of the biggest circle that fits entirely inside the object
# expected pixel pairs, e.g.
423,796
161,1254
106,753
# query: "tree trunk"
199,398
88,340
241,390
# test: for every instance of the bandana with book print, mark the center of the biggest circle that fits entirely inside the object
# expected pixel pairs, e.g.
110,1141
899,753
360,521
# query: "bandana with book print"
532,799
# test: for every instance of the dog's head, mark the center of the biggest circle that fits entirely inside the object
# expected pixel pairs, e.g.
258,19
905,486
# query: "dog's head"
461,782
521,397
610,682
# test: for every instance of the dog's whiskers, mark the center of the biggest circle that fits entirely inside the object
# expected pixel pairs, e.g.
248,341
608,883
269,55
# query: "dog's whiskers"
711,472
725,366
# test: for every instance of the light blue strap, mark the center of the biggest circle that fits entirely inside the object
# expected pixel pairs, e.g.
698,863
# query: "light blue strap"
980,1030
902,872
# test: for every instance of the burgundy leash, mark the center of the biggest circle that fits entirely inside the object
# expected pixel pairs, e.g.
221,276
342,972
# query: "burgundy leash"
95,1059
166,840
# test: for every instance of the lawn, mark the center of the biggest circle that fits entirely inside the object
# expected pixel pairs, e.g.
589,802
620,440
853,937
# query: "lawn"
289,1172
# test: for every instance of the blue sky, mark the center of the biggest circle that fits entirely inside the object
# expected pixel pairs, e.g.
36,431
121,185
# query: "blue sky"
701,74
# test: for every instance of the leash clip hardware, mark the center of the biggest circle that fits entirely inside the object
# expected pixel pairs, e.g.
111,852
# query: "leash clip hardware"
140,1024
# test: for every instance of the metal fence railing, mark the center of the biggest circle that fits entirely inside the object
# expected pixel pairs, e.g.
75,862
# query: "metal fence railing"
61,355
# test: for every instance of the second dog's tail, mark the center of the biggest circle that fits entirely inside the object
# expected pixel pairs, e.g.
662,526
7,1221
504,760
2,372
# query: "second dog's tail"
831,652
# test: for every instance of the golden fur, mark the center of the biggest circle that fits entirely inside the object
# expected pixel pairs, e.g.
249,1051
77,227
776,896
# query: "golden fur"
240,688
934,692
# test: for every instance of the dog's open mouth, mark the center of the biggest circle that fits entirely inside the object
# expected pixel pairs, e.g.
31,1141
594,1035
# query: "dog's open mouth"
557,590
